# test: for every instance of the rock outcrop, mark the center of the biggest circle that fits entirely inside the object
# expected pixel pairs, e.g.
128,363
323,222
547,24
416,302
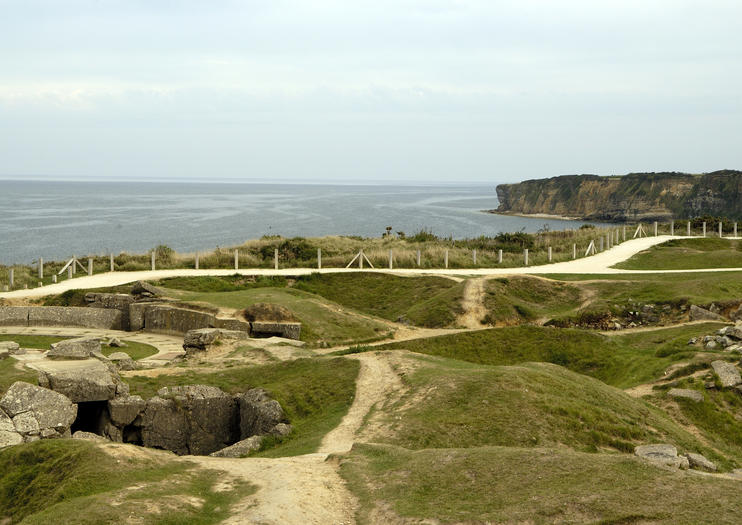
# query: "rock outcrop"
701,314
29,412
196,341
684,393
259,414
77,348
82,381
727,372
636,196
662,454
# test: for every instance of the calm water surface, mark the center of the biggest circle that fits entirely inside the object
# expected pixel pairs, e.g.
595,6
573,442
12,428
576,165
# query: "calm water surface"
57,219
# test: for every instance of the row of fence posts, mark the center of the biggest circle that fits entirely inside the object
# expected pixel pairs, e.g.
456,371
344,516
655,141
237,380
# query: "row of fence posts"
604,242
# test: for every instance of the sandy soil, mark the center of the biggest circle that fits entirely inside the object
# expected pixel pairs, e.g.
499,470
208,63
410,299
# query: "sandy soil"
473,304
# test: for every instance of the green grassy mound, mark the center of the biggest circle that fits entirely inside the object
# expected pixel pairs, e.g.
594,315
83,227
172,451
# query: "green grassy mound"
12,371
72,481
315,394
686,254
511,300
516,485
424,301
620,360
454,404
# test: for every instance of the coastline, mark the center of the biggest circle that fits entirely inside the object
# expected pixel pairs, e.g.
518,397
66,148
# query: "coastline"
534,215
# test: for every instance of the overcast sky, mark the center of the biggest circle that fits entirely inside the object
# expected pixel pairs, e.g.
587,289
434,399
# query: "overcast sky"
355,91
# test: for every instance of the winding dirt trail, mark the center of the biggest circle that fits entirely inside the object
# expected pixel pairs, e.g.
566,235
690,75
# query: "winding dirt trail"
307,490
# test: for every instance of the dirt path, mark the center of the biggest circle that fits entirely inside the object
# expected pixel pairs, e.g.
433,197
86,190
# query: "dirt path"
473,304
307,490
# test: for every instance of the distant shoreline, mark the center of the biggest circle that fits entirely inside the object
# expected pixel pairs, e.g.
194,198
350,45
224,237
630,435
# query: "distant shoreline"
534,215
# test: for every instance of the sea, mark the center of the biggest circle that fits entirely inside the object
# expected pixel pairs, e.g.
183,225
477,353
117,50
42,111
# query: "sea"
58,219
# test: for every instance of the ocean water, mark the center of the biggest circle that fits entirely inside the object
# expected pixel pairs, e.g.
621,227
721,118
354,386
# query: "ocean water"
55,220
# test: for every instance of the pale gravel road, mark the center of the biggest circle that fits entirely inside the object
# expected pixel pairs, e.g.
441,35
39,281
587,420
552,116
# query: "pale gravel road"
600,263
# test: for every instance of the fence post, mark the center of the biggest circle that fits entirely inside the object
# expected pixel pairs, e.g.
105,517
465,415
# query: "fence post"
70,271
90,266
704,229
474,256
720,230
445,259
236,260
11,277
41,267
74,265
672,228
525,256
153,260
655,228
499,256
111,261
391,258
624,233
319,258
735,229
54,278
688,229
275,259
197,261
549,253
574,251
418,258
601,243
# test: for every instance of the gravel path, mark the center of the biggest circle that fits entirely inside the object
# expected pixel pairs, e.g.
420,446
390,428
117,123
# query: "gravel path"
595,264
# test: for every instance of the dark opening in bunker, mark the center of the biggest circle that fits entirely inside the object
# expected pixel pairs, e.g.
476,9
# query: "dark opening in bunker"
89,416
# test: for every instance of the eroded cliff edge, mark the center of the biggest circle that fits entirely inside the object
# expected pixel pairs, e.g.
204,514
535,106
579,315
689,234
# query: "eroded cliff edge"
636,196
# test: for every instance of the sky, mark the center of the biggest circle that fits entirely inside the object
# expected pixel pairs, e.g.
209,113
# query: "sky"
435,91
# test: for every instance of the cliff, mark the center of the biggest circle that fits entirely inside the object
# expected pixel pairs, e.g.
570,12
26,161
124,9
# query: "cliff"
636,196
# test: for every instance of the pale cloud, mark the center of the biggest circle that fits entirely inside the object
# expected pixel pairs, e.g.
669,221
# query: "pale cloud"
418,90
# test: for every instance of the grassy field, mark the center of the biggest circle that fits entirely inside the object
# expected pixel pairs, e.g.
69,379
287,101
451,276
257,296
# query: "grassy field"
424,301
135,349
516,485
687,254
451,404
11,371
78,482
514,300
315,394
622,360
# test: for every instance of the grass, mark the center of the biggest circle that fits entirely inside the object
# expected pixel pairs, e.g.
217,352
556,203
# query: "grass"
72,481
621,289
516,485
622,360
322,322
685,254
231,283
425,301
42,342
314,393
511,300
10,373
452,404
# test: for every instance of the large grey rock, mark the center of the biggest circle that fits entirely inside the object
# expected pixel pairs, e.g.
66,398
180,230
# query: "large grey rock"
78,348
89,380
4,354
145,289
89,436
735,331
195,419
36,412
11,347
727,372
701,314
8,434
259,414
124,410
122,361
115,342
697,461
686,393
662,454
240,449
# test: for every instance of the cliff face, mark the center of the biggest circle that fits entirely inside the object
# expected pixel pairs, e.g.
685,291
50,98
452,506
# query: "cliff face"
636,196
